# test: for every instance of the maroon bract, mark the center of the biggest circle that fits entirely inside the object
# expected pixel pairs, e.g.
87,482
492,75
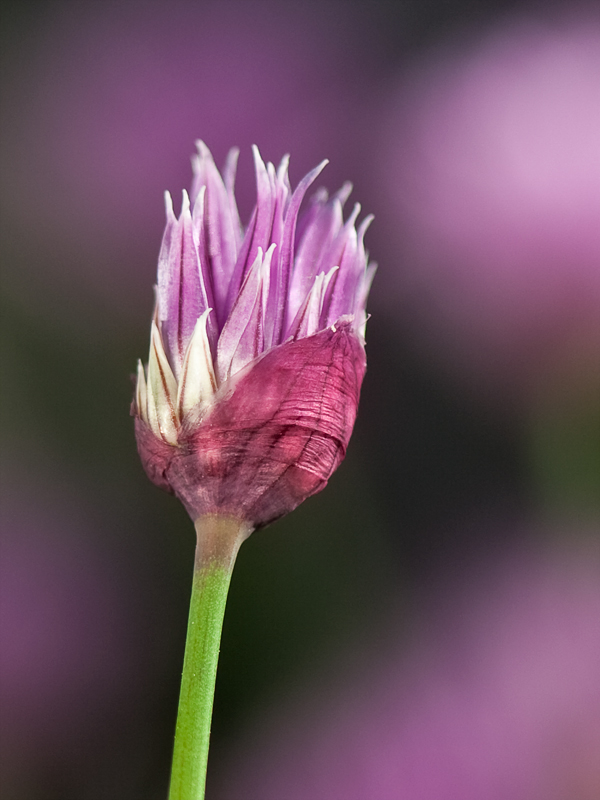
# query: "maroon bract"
257,353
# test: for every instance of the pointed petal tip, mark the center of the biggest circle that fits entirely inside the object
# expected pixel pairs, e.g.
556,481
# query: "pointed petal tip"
344,192
351,221
201,158
198,382
141,393
260,168
199,201
161,390
205,313
202,149
364,225
231,160
309,178
266,264
283,166
229,172
315,172
141,375
169,206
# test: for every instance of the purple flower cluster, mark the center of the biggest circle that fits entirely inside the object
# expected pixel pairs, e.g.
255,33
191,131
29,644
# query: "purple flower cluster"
257,344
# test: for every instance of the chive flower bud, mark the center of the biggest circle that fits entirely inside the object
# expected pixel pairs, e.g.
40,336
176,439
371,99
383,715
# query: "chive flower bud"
249,397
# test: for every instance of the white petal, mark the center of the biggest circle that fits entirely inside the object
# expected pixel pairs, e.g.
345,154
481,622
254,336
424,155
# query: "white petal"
197,383
314,305
326,281
141,393
162,391
169,208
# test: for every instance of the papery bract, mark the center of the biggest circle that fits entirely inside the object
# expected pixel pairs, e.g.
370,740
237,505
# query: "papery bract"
257,353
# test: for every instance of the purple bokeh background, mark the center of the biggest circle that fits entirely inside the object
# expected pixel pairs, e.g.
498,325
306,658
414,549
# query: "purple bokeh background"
426,626
494,175
494,694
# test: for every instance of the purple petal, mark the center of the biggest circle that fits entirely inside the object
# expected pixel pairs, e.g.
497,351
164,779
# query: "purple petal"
206,279
220,222
352,261
279,291
164,279
182,295
326,221
229,172
321,205
360,303
307,319
241,267
334,253
259,231
282,202
266,196
310,214
242,338
341,297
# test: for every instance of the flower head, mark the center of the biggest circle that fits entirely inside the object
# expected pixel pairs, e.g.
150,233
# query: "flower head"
257,344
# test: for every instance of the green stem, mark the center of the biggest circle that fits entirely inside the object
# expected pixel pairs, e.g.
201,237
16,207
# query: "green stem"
219,539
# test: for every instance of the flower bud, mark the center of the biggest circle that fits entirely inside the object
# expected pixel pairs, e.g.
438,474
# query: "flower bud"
257,356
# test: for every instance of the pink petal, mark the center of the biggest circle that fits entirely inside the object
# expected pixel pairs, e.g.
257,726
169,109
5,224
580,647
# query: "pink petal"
325,223
242,339
221,222
182,294
279,292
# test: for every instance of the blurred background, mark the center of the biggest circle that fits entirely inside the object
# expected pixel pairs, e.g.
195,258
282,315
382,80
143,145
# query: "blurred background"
427,627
